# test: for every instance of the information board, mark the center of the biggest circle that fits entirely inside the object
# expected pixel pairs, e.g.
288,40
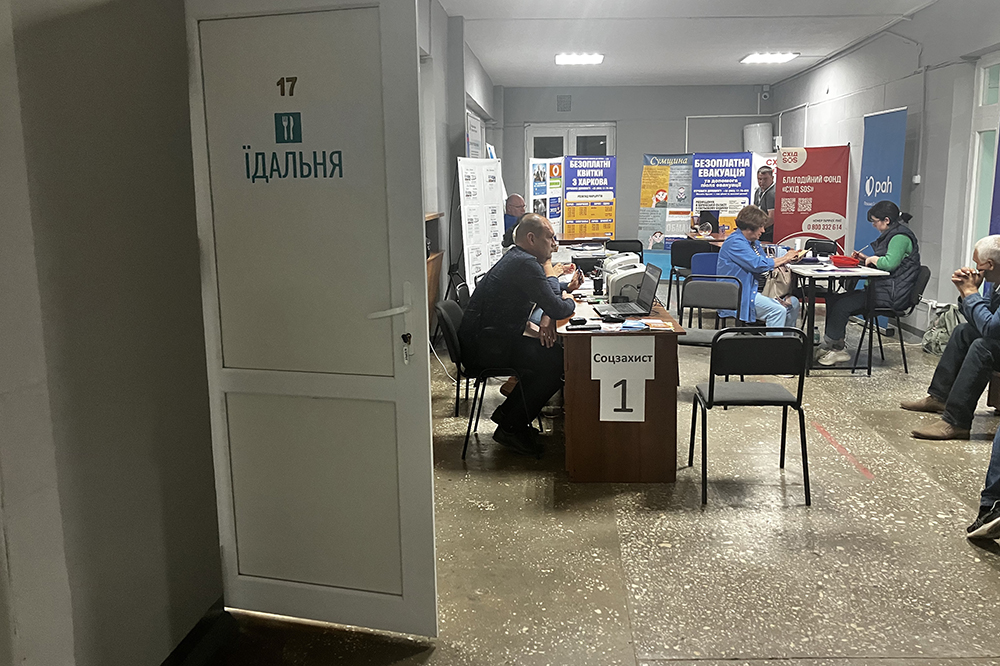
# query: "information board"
590,197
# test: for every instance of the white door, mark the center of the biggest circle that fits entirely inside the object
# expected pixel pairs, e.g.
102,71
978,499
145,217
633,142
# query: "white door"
307,164
548,140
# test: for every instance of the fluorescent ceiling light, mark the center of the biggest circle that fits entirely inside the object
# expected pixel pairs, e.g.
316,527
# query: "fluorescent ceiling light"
579,58
768,58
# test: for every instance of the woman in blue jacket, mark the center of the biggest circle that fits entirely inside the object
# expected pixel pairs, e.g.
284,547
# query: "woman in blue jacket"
743,257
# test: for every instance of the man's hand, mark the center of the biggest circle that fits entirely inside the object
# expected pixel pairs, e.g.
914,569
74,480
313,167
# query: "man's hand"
564,269
575,282
870,261
967,281
547,331
860,256
550,270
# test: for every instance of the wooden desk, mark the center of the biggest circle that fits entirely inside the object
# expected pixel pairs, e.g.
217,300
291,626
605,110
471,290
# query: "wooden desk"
616,451
433,284
716,239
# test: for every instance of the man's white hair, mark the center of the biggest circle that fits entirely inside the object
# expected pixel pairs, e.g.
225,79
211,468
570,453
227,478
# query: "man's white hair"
989,248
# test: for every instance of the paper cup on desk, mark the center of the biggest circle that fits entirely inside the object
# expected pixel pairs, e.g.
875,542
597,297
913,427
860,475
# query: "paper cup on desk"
798,243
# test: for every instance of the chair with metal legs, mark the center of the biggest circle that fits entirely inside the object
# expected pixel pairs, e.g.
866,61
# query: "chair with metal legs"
871,321
750,351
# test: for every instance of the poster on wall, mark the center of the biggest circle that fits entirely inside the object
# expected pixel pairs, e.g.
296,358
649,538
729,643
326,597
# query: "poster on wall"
544,194
810,193
664,199
589,188
881,168
482,204
721,186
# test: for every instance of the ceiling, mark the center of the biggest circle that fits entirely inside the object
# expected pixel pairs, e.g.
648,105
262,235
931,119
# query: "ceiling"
664,42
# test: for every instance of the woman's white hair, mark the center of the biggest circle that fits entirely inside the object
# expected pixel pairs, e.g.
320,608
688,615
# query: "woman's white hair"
989,248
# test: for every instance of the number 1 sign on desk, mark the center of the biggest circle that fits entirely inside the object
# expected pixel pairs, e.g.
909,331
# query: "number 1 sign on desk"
622,364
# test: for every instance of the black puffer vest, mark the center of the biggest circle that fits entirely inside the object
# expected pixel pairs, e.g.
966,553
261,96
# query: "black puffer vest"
894,291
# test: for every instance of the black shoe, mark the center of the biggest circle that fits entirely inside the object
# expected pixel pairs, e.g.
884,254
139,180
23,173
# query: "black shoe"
499,414
987,525
522,441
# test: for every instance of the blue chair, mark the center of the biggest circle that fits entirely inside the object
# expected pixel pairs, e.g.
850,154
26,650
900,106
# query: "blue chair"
703,263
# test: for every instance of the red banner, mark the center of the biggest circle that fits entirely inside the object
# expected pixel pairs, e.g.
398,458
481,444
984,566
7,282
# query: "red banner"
810,194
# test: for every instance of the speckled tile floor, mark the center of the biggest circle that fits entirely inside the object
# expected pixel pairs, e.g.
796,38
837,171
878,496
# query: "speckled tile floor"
535,570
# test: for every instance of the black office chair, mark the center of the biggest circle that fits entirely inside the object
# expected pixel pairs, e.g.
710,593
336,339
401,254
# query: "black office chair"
748,351
681,252
871,323
819,246
462,295
625,246
450,316
713,292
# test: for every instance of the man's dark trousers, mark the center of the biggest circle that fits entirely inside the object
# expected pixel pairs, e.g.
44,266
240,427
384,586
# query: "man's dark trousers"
963,373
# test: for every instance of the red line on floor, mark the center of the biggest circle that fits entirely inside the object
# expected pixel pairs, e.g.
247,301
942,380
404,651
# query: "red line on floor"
865,472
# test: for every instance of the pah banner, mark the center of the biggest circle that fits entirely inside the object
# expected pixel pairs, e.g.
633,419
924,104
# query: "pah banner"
664,198
881,168
545,188
995,210
810,193
722,185
590,197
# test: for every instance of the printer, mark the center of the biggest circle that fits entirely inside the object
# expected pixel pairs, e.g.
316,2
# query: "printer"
624,276
615,261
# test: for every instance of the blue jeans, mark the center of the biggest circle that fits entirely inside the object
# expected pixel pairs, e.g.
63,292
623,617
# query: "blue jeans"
991,492
775,313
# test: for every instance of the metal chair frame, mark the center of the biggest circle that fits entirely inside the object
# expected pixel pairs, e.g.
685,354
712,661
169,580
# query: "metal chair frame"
749,350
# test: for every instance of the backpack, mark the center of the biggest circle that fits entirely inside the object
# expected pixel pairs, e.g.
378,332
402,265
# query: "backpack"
946,318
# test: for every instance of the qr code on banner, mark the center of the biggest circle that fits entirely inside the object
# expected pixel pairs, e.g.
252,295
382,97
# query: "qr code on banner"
788,205
805,204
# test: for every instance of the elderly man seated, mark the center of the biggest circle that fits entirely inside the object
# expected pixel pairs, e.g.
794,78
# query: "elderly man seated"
492,330
973,351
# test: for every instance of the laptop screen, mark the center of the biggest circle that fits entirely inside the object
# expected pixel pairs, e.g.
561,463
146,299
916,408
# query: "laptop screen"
647,291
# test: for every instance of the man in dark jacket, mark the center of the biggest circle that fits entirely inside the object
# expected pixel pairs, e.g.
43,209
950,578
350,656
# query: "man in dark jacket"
492,330
973,351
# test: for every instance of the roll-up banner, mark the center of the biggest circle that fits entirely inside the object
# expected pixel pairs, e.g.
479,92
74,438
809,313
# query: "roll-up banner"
664,199
881,168
721,185
810,193
589,187
545,188
995,211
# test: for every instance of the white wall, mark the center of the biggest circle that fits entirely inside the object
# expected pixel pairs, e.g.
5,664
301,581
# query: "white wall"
478,86
36,623
925,68
117,341
648,119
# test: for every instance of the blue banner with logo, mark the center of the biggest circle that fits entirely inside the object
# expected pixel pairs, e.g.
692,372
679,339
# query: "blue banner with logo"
995,210
881,169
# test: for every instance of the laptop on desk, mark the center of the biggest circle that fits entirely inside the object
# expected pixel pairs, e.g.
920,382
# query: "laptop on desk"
643,304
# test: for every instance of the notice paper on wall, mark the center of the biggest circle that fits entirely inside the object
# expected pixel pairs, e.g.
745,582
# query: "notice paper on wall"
623,364
722,185
544,194
590,197
664,198
481,192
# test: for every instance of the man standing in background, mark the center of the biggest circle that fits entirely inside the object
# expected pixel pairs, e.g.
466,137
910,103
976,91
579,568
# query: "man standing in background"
763,198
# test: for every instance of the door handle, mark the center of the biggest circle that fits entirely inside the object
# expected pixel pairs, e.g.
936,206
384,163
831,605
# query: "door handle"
391,312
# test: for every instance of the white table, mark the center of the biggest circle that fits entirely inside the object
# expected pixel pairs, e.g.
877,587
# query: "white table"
824,271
